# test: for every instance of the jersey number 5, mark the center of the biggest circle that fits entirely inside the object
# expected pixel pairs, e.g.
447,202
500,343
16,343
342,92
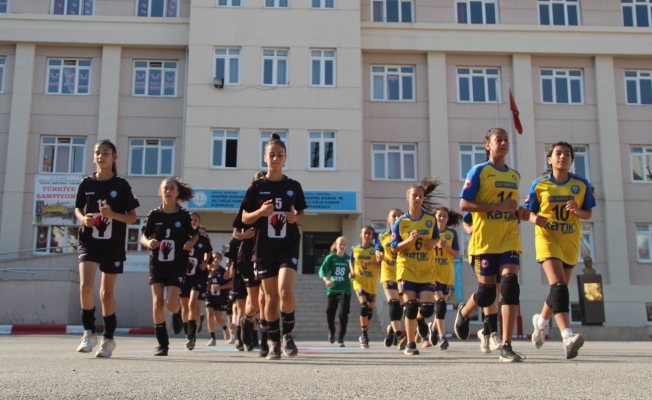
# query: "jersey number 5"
278,203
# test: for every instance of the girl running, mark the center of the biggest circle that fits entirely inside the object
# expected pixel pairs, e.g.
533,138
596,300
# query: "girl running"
217,298
170,236
558,202
334,272
414,237
364,272
274,205
490,193
238,289
105,205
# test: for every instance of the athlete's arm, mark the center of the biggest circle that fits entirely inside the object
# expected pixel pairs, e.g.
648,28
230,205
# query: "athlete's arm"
442,245
538,220
468,228
149,243
267,209
294,216
401,246
368,264
86,219
204,265
191,243
128,218
474,206
574,208
248,234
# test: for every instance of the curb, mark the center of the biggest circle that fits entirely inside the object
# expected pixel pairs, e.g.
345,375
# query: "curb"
64,330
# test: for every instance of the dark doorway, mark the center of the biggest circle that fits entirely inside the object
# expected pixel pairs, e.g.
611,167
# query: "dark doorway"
316,246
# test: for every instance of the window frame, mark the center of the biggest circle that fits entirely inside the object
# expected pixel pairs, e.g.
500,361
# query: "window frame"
6,11
637,80
645,150
225,139
486,77
402,153
61,67
591,240
276,4
400,11
275,59
322,148
400,74
648,313
568,78
147,76
264,138
166,9
160,148
138,225
229,4
57,145
567,4
67,247
227,65
65,7
3,72
477,149
322,67
380,226
633,5
649,242
484,12
322,5
577,152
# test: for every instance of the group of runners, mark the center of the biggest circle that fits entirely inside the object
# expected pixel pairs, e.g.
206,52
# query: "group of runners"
414,258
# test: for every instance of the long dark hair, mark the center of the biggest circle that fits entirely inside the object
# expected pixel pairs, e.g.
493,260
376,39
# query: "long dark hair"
429,187
454,218
185,190
110,145
487,139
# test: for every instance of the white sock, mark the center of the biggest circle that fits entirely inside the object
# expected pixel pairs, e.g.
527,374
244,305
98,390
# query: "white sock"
566,333
542,323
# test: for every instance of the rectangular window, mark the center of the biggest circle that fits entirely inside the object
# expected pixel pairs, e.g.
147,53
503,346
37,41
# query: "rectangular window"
4,6
559,12
641,158
227,65
229,3
69,7
322,68
157,8
478,85
575,313
648,311
643,242
586,242
264,138
322,150
151,157
224,152
380,226
155,78
392,83
392,11
62,155
277,3
639,87
562,86
470,155
636,12
3,62
394,161
275,67
476,11
133,235
68,76
325,4
580,165
56,238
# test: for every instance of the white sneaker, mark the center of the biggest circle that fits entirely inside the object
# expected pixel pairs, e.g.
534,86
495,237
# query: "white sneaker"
484,342
230,341
227,334
572,345
211,342
494,342
106,348
538,334
89,340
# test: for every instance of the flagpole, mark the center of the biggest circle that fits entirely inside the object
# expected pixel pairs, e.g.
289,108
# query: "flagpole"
512,145
497,86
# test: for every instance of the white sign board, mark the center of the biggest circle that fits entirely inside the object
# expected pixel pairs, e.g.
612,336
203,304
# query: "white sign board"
54,199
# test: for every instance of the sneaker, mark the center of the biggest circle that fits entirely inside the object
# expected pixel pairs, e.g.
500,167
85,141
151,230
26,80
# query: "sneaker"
340,341
89,340
412,350
231,340
227,334
201,323
572,345
331,336
289,348
238,345
249,347
508,355
485,348
264,349
275,353
232,329
443,344
461,323
401,341
246,332
432,334
190,342
106,348
177,323
538,334
161,351
364,342
389,339
494,342
211,342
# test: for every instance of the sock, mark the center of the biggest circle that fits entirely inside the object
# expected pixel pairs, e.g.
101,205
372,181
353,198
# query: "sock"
213,334
88,320
542,323
224,328
493,322
364,328
110,323
162,334
192,328
566,333
263,331
254,335
486,329
238,333
274,330
364,331
288,322
185,328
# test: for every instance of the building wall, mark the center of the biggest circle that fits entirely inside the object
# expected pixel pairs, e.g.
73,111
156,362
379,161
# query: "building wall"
118,8
8,52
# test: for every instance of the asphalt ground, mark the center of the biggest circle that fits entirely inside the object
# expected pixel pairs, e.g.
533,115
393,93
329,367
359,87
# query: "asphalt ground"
47,367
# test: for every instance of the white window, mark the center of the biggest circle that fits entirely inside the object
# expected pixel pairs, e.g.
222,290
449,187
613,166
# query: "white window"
56,238
229,3
275,67
151,157
157,8
4,6
559,12
227,65
63,155
465,245
69,7
264,138
3,62
155,78
586,242
322,150
641,158
561,86
637,14
470,155
478,85
394,161
277,3
69,76
224,152
639,87
380,226
476,11
322,68
575,313
392,11
392,83
133,235
643,242
580,165
327,4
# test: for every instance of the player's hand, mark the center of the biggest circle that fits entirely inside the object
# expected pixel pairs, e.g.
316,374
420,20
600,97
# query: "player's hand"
291,216
366,264
267,208
430,244
508,205
414,235
523,213
351,275
203,266
441,245
541,221
380,256
188,246
153,244
249,233
329,284
88,220
572,206
105,210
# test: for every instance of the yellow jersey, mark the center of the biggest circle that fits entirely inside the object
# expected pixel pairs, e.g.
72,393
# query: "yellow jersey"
494,232
365,278
415,264
561,236
468,218
388,266
444,265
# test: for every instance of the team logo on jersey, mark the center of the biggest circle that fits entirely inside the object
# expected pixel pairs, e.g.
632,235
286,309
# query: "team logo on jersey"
371,252
484,264
90,193
290,193
177,224
527,199
448,236
575,189
113,193
467,183
294,261
200,245
180,279
117,264
429,224
515,178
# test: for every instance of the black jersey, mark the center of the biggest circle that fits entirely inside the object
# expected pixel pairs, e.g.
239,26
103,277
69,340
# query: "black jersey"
109,235
216,277
273,234
196,255
172,231
232,248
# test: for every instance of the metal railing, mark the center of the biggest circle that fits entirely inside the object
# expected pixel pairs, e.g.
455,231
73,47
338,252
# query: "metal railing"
36,253
51,274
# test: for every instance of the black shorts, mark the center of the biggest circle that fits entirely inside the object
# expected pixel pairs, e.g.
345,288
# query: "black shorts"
265,269
195,283
218,303
245,266
89,253
172,276
239,290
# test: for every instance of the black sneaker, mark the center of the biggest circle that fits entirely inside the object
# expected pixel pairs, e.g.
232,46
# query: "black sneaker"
161,351
461,323
508,355
246,333
433,335
401,341
289,348
412,349
275,351
202,318
443,344
238,345
331,336
264,349
177,323
340,341
389,339
190,342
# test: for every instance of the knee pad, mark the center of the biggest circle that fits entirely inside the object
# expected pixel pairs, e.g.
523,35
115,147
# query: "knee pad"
364,308
510,289
427,310
411,309
548,301
395,310
370,313
559,297
485,295
441,309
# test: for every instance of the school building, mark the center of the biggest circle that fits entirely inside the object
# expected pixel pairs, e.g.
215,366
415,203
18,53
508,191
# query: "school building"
369,96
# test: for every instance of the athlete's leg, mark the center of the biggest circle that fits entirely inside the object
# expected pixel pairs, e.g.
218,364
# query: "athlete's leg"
185,312
87,271
193,314
107,285
286,278
331,309
253,303
411,312
558,278
395,310
172,299
211,318
426,310
158,314
510,292
345,306
471,303
272,298
440,320
364,308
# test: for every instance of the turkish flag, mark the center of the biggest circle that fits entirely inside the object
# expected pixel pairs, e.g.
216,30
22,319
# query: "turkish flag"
514,110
